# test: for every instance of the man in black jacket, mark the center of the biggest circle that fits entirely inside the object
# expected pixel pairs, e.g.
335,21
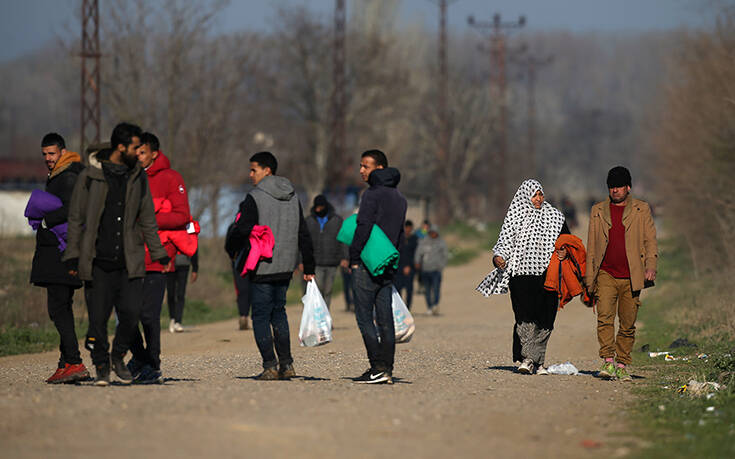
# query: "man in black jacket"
324,225
273,203
48,271
383,205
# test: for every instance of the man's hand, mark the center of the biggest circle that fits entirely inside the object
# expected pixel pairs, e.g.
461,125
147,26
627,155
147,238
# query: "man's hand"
194,276
562,254
308,277
499,262
73,273
169,267
406,270
650,275
344,263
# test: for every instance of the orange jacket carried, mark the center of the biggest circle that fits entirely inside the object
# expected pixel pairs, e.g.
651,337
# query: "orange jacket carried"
566,278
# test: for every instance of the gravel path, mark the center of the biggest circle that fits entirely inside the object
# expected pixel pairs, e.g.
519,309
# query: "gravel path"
456,394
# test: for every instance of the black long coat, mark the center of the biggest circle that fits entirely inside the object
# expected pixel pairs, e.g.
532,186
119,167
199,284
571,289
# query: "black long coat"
47,265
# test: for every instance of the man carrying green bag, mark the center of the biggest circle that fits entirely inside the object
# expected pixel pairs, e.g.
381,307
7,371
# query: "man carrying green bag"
374,260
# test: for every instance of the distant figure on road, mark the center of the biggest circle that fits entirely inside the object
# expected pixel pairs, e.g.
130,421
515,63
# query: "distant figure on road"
521,256
622,255
431,258
324,225
111,217
47,270
273,203
382,205
406,271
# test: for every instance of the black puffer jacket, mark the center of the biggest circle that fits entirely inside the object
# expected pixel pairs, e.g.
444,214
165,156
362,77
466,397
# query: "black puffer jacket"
47,267
328,251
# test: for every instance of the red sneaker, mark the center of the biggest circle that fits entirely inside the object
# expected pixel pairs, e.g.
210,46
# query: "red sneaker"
76,372
58,375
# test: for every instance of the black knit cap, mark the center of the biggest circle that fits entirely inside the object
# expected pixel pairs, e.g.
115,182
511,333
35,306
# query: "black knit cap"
320,201
618,176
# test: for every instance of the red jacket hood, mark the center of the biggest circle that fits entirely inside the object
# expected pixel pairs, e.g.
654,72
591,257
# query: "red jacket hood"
160,163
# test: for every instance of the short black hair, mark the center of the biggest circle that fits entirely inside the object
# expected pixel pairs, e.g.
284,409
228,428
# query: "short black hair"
51,139
123,134
265,159
408,223
378,156
150,139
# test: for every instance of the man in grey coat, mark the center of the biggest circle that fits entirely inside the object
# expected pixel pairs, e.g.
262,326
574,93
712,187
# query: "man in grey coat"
329,253
431,258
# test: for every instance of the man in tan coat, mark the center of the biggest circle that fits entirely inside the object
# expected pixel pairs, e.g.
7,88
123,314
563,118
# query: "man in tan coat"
621,260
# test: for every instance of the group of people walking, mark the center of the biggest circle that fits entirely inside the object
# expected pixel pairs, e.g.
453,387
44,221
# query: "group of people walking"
122,229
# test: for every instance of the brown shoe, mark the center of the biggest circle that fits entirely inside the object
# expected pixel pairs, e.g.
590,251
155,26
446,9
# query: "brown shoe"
269,374
286,372
244,323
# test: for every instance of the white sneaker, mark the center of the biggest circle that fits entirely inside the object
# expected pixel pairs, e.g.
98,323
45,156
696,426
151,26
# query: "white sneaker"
526,367
542,370
178,328
172,326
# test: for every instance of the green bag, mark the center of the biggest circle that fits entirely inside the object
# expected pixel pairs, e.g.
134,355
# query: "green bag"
379,252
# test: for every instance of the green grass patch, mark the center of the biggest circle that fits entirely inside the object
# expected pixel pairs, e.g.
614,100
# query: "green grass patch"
468,241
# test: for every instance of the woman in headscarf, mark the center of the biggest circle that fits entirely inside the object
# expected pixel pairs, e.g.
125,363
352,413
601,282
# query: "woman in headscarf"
521,255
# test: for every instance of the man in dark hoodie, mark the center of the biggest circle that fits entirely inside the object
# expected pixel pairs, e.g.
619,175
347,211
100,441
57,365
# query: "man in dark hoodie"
383,205
48,271
110,216
329,253
273,203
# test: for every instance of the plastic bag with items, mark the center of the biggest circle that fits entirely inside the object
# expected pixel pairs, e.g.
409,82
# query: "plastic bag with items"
402,319
316,322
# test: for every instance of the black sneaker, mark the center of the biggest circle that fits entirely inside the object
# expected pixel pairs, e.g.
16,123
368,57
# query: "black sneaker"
148,375
135,367
122,372
374,377
286,372
103,375
268,374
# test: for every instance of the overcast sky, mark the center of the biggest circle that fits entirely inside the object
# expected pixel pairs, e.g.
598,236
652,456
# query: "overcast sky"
26,25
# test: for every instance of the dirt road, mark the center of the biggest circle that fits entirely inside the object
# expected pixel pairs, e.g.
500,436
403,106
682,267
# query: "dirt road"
456,395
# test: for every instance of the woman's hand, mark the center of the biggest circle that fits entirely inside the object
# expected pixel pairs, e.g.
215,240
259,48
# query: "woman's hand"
499,262
562,253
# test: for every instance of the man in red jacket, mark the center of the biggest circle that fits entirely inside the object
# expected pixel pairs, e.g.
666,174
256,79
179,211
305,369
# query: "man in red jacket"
172,213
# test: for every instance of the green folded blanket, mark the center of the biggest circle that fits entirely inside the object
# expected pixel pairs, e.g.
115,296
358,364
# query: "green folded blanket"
379,252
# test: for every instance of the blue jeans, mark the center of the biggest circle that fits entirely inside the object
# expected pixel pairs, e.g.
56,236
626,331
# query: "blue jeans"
374,294
432,285
268,301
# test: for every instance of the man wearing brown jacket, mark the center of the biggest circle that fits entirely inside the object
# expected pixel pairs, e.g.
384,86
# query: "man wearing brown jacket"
621,260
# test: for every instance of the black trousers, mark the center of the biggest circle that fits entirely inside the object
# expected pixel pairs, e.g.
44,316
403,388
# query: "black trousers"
176,292
154,287
532,304
373,300
242,290
108,289
60,300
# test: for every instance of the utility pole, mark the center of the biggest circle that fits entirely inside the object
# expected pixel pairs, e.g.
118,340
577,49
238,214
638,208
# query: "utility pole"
498,90
90,95
339,99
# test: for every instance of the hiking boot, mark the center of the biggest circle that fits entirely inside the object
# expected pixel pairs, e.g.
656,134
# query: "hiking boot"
286,372
103,375
268,374
623,374
171,326
58,376
148,375
526,367
375,377
607,371
121,371
244,323
75,372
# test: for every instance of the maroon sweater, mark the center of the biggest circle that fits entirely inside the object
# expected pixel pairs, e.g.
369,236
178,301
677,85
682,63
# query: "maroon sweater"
615,262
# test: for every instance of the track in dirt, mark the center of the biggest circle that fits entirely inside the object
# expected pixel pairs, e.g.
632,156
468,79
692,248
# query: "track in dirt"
456,395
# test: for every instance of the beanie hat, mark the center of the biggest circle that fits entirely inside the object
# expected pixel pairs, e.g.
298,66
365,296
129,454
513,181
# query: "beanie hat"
320,201
618,176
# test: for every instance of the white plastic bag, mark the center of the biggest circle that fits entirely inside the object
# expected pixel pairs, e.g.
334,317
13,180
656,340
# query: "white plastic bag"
402,318
566,368
316,323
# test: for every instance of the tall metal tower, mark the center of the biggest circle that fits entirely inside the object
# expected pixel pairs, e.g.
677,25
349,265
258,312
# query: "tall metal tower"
499,89
339,99
90,95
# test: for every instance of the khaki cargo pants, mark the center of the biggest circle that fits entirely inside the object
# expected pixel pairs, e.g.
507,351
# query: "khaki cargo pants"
614,297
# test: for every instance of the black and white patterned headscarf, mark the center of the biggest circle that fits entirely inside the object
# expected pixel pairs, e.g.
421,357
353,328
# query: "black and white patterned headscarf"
526,240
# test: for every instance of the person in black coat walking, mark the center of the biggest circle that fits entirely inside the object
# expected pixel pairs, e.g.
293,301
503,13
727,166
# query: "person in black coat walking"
47,270
406,270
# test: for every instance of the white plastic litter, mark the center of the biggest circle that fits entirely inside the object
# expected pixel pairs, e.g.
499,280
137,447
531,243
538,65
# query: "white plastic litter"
657,354
316,322
402,319
566,368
